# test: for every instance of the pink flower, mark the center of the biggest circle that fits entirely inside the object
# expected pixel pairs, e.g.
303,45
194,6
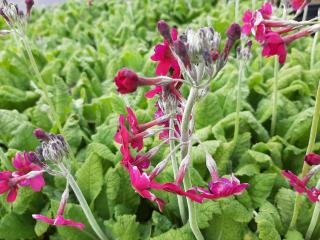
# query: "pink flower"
275,45
124,137
163,55
142,184
7,185
297,4
312,159
59,221
24,165
299,185
254,22
223,187
127,81
313,194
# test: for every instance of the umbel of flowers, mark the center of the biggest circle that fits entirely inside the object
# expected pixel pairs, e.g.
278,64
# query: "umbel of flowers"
193,58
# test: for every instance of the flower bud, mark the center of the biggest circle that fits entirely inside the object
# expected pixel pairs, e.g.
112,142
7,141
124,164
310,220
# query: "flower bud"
312,159
183,169
164,30
29,4
212,166
181,50
127,81
234,32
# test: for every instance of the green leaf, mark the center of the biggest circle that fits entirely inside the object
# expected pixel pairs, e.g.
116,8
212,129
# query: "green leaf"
260,187
72,131
90,177
234,210
208,111
285,199
294,235
15,226
161,223
125,227
62,99
183,233
206,211
119,190
13,98
266,228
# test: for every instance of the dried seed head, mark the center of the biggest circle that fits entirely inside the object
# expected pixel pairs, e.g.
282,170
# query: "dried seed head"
53,147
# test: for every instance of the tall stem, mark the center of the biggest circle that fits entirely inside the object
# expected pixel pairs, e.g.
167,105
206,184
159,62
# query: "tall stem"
253,4
275,96
315,217
238,106
305,169
84,205
316,211
236,10
175,170
184,151
54,115
314,47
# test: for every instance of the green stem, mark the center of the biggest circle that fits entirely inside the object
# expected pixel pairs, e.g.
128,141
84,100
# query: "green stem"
238,106
236,10
84,205
305,169
175,171
42,84
315,217
275,96
253,3
184,151
313,50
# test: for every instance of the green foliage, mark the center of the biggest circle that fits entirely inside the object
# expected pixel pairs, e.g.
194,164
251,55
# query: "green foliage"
78,51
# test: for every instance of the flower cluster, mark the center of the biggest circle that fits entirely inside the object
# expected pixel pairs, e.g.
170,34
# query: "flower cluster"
29,169
300,185
274,34
193,58
26,174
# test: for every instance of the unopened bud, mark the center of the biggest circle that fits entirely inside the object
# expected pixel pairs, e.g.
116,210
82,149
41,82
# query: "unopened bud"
158,169
181,50
234,32
212,166
29,4
164,30
183,169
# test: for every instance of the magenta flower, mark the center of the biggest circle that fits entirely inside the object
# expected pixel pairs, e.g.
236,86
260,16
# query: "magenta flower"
24,165
127,81
312,159
254,22
223,187
59,221
275,45
7,185
299,185
124,137
313,194
163,55
142,184
298,4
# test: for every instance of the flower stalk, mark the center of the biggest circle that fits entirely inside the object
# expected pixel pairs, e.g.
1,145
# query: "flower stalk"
184,151
238,104
84,205
275,96
175,170
305,169
316,211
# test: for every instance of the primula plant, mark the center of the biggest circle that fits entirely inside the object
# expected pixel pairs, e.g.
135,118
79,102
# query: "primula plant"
159,120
